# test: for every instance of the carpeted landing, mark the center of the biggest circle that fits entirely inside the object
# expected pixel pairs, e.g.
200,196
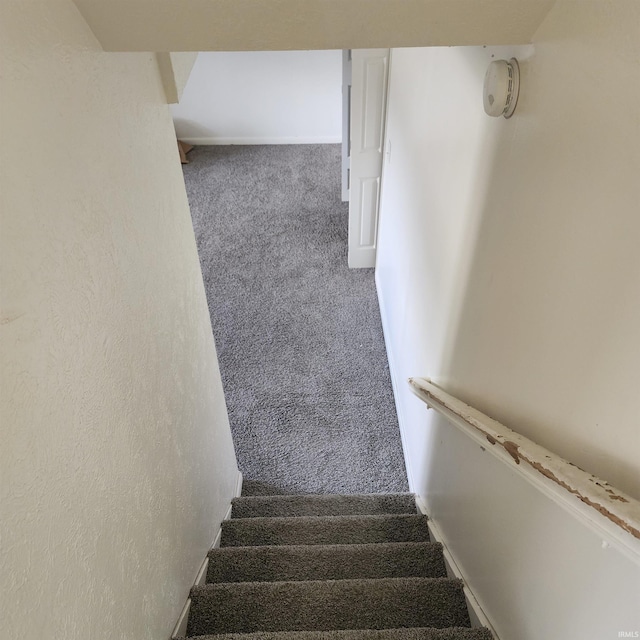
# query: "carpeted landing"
328,567
298,333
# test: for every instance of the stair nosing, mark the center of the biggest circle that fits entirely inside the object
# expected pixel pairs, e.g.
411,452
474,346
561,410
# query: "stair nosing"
292,634
212,586
314,547
353,516
323,496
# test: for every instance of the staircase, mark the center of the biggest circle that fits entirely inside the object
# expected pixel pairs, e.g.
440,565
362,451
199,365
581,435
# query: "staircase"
328,567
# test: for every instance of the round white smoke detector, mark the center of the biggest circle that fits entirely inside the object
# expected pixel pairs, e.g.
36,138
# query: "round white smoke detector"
501,87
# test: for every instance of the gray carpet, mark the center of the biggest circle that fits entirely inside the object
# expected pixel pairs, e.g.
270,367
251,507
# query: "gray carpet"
323,505
298,334
326,562
386,603
325,530
282,580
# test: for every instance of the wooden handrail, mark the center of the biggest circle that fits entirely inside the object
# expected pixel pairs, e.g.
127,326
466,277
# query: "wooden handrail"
612,514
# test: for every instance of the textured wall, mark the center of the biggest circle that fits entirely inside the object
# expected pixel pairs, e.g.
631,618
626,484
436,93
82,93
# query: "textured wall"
175,69
509,250
182,63
509,272
262,97
116,460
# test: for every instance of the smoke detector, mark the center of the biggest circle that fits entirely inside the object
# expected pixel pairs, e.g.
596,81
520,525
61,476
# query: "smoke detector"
501,87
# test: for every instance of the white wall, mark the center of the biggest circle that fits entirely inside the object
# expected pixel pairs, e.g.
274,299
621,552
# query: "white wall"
264,97
508,272
116,459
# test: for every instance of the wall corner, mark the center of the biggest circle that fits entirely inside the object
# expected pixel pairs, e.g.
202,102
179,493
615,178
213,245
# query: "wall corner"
175,69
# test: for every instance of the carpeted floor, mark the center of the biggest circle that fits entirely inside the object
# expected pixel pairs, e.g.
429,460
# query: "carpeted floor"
298,334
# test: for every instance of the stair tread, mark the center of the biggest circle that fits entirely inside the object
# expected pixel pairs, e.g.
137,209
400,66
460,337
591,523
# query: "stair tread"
410,633
326,562
323,505
307,530
246,607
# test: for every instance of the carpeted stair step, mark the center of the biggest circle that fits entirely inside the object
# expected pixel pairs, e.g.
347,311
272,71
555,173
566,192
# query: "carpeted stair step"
246,532
415,633
326,562
322,505
387,603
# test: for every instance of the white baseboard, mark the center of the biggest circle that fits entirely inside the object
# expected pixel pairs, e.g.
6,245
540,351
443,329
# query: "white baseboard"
238,492
251,141
363,258
395,383
180,630
476,614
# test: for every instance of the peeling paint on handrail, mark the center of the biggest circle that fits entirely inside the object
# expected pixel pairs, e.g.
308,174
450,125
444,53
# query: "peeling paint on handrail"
612,513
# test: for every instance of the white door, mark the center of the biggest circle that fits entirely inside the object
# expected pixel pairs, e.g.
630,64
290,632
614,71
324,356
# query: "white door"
369,72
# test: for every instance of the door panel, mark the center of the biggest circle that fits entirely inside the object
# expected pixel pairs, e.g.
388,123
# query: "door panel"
346,121
369,74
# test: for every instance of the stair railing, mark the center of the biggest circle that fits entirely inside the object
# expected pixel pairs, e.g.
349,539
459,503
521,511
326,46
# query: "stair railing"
612,514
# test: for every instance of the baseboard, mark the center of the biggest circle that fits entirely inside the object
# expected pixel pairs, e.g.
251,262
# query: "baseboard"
251,141
238,491
395,382
363,258
476,613
180,630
